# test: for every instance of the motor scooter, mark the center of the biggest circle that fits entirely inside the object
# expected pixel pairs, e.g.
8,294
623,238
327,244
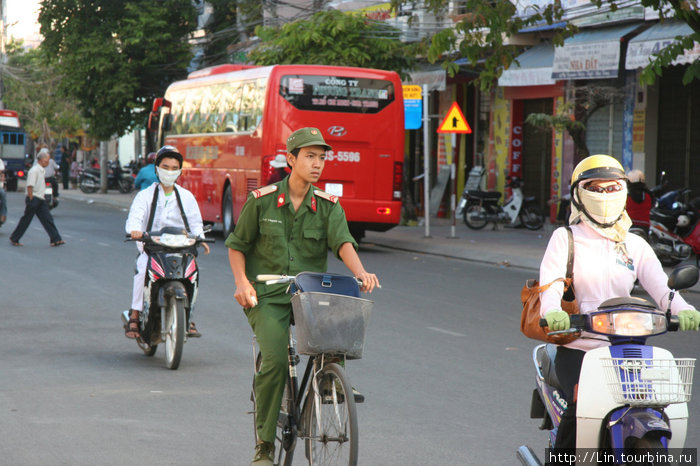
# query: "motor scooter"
89,180
49,197
170,291
674,230
481,207
631,397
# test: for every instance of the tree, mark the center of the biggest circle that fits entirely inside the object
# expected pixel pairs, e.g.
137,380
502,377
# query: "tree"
481,34
334,38
573,116
229,23
32,90
117,55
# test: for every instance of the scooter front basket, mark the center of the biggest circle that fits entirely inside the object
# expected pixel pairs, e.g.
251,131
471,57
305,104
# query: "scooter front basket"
649,382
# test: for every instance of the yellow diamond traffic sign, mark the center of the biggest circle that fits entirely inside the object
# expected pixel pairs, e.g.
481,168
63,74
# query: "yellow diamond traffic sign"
454,122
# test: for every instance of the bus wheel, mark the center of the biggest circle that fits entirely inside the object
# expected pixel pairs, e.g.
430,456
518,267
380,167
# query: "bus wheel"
227,212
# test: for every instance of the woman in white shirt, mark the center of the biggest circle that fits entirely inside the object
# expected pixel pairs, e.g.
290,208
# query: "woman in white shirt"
607,261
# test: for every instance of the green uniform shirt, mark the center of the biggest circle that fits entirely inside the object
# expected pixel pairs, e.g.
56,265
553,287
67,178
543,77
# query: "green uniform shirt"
277,240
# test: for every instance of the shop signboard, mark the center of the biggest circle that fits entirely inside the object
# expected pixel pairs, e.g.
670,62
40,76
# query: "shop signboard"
586,60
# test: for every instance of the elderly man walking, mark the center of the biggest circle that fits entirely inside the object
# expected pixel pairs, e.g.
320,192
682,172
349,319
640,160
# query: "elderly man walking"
36,204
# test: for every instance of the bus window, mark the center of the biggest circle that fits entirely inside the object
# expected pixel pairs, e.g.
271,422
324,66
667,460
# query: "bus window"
336,93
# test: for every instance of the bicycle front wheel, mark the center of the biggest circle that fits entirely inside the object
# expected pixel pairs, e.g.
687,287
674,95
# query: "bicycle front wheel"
331,432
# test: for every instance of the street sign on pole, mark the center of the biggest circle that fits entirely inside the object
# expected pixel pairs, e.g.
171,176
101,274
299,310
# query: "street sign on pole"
413,105
454,122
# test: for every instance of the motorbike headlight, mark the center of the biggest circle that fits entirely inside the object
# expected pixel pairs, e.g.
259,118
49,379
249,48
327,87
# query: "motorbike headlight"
174,241
629,323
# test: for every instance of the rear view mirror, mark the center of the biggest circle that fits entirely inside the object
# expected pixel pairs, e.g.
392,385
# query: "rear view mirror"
683,277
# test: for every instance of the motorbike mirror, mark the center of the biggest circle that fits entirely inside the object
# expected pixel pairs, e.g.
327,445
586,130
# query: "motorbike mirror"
683,277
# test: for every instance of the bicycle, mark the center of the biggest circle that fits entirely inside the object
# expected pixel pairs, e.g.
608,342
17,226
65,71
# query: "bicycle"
330,321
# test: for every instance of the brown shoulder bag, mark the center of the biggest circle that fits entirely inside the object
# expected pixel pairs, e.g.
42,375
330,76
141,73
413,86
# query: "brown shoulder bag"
530,297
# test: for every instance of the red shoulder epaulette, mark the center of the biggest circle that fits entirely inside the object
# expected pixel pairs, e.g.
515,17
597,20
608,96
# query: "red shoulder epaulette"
326,196
264,191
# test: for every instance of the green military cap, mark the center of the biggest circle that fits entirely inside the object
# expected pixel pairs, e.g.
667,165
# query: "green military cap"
305,137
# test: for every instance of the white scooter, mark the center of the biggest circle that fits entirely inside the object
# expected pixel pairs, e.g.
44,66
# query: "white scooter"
632,397
481,207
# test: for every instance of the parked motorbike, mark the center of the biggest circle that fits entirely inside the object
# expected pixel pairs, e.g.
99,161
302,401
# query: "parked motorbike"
674,230
170,292
631,396
481,207
49,197
89,180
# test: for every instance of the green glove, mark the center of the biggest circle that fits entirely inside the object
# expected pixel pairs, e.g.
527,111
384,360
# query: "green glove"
557,320
689,319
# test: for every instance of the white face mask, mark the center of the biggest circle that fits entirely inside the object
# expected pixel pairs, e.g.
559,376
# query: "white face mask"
168,177
603,207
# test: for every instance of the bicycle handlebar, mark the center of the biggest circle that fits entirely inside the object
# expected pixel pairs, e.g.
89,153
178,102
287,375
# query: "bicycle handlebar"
272,279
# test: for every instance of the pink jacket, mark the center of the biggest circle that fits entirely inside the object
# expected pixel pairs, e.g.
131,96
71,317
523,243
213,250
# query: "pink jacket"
601,273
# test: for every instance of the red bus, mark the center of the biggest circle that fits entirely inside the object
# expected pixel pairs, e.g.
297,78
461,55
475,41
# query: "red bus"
231,123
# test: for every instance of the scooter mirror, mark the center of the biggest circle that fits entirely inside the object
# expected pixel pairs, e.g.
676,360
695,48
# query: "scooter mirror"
683,277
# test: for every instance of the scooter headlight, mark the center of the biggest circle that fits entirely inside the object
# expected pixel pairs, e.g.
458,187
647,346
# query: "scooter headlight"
629,323
174,241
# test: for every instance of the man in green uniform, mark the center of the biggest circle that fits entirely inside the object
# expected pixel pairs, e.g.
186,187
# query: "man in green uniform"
286,228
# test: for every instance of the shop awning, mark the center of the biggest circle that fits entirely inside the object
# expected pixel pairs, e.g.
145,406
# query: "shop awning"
534,68
656,38
591,54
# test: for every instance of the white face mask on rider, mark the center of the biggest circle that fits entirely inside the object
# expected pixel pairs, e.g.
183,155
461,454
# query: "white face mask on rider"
168,177
605,207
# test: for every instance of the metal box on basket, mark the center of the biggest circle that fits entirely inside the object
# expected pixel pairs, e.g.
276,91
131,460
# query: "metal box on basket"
330,323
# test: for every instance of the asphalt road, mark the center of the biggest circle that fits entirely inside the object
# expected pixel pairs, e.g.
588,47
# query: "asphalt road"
447,375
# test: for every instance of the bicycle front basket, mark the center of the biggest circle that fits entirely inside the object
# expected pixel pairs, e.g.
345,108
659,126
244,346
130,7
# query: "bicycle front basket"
330,323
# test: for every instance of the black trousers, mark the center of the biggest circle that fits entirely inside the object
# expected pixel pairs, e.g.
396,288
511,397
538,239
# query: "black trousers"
568,367
39,207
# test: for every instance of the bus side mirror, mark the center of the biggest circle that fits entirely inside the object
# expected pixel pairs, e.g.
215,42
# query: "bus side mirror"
167,122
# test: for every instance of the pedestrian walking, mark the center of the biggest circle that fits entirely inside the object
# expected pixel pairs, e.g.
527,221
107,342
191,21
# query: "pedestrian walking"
35,204
65,168
3,198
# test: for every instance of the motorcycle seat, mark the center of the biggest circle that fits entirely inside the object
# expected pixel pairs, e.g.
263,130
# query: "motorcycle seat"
545,359
485,195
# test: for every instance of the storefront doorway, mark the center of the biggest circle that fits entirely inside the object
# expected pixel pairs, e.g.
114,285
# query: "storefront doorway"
537,153
679,130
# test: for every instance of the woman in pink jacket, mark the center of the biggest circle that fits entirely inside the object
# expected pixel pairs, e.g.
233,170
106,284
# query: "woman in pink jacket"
607,261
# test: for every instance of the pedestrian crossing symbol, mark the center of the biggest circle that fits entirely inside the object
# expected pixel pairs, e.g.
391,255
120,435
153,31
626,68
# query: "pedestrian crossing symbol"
454,122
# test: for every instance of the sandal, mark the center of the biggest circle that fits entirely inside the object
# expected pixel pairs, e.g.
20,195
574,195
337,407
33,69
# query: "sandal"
131,329
193,332
58,243
16,243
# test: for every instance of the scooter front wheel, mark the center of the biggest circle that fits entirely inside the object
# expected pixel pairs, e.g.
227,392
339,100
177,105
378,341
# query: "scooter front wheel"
640,447
532,217
475,217
174,329
88,185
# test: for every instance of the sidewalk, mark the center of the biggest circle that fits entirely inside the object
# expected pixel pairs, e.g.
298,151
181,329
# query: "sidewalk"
506,247
501,247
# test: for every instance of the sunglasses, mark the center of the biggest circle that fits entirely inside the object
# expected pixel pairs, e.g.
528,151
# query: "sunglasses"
612,188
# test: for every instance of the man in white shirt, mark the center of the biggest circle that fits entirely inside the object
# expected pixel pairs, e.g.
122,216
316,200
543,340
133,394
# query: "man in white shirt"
168,212
35,203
